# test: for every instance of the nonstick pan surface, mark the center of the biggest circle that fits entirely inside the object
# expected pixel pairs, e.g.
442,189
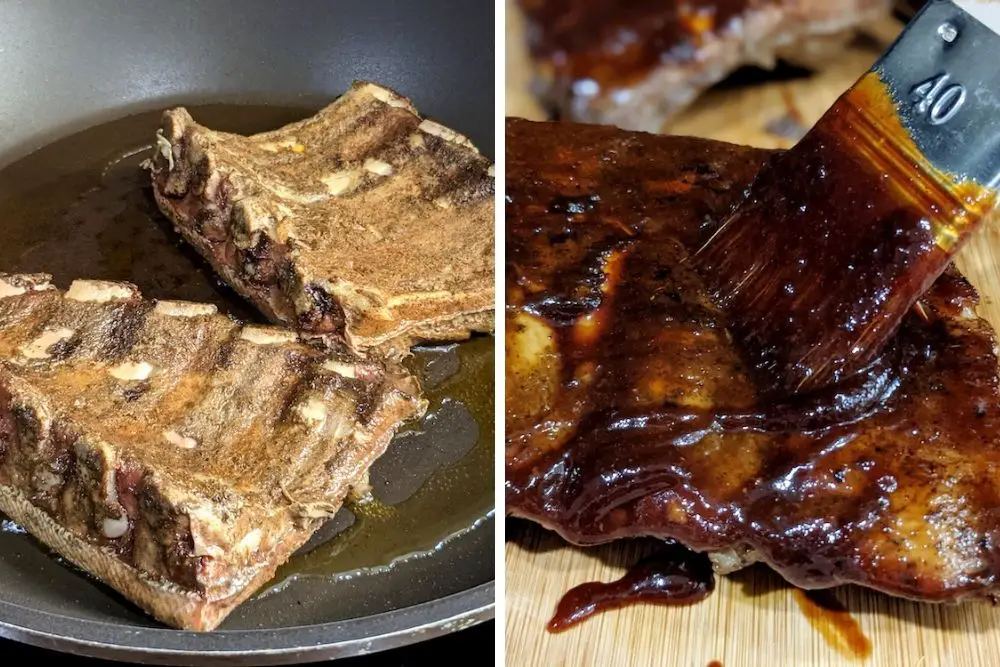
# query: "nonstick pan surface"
81,88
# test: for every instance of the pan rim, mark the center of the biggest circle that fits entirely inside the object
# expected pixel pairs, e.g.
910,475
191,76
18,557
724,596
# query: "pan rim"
308,643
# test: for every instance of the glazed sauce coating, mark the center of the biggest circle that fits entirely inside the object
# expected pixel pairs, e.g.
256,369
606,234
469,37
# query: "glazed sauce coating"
835,242
631,412
613,43
674,576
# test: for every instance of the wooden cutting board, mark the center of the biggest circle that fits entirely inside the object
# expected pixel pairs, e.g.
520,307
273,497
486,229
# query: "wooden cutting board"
753,618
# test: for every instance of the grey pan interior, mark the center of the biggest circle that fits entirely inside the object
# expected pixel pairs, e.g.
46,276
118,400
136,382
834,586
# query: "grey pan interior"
69,65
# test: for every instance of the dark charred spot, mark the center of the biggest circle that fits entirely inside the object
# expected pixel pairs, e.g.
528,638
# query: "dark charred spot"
64,463
63,349
264,261
224,194
135,390
26,424
562,236
127,479
203,172
325,316
224,356
367,400
211,224
129,320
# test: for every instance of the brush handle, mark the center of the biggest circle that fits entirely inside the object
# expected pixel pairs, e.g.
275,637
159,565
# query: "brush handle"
943,73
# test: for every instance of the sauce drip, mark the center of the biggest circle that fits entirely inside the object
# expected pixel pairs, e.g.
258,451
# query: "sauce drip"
834,622
847,230
675,576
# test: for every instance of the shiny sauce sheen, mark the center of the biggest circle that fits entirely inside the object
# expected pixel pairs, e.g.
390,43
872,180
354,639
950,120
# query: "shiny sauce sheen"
675,576
836,241
631,413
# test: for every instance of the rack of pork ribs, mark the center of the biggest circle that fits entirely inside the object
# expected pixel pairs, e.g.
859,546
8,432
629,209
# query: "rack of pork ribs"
631,414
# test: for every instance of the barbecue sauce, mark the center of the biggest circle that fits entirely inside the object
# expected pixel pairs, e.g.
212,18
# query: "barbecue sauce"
835,242
654,428
675,576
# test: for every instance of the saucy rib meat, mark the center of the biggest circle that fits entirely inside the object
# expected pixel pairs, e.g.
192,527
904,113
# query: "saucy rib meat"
630,412
635,64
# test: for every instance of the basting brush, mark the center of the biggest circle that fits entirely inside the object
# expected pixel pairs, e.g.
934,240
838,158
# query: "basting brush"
838,237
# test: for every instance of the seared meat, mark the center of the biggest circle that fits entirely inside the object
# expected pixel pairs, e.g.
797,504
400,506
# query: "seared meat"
630,413
635,64
363,222
172,453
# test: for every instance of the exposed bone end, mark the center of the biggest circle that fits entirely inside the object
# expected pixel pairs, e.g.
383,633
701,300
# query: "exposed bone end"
417,140
179,440
250,218
312,411
165,149
317,510
184,308
388,96
39,348
174,123
131,371
731,560
441,202
340,182
207,531
210,188
288,145
491,171
251,541
361,491
21,283
268,335
446,133
340,368
7,289
378,167
100,291
115,528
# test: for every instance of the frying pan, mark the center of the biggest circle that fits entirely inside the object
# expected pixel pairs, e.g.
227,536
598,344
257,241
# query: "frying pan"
80,205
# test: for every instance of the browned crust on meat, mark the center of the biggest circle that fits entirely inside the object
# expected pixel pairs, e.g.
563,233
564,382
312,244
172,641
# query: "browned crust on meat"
172,453
364,222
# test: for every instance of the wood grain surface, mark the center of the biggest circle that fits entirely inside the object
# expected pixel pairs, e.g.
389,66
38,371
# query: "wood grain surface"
753,618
